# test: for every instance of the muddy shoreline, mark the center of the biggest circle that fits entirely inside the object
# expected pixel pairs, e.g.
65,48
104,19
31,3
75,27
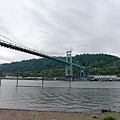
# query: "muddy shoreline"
10,114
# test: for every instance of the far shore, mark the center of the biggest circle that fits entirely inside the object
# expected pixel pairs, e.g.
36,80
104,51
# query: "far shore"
9,114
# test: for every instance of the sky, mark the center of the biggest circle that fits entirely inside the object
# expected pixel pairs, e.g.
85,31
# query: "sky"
56,26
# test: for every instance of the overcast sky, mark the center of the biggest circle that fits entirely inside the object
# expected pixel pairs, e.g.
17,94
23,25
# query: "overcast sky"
55,26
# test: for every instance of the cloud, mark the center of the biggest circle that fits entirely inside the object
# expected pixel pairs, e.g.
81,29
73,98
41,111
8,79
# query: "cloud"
2,26
56,26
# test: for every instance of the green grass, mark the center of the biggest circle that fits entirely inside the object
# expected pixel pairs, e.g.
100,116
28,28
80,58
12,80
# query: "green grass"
109,117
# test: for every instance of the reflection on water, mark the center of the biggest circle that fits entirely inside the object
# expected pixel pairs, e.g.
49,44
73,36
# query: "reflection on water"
56,96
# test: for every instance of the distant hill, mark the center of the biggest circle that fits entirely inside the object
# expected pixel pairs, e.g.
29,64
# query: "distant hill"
100,64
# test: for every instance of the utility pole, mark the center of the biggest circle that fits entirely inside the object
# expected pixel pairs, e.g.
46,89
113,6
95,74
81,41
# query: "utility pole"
17,78
0,77
42,78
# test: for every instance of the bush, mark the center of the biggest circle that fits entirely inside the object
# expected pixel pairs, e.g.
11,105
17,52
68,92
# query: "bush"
109,117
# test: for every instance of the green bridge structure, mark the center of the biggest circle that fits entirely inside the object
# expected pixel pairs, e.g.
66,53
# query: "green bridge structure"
68,62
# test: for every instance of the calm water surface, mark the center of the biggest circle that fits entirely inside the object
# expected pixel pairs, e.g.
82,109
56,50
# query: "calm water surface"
57,96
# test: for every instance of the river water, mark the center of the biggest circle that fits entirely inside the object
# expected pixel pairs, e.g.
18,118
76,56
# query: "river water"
57,96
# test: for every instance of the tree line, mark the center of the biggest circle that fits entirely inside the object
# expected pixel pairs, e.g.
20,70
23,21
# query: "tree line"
98,64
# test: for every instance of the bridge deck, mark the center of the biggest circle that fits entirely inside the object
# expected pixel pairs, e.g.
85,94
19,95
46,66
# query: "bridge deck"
33,52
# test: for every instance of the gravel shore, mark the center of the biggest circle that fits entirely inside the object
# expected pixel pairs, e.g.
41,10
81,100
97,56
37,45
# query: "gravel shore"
36,115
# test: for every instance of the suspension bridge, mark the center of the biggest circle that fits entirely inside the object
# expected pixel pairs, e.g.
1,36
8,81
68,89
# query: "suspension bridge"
68,62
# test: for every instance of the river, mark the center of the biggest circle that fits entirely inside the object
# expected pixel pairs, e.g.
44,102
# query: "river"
57,96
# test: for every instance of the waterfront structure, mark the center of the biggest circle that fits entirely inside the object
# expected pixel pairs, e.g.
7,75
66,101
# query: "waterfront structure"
105,77
69,64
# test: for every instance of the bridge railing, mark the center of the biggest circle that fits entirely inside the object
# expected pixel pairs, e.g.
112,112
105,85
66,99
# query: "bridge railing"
21,46
29,50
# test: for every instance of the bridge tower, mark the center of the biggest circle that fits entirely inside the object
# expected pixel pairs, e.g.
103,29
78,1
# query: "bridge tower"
69,70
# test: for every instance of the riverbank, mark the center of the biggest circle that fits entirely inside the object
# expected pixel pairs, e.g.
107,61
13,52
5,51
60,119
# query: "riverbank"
37,115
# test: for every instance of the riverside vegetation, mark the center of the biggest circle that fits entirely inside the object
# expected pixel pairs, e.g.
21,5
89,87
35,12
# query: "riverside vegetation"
100,64
109,117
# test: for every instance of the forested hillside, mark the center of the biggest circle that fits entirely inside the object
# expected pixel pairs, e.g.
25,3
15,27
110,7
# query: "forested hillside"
100,64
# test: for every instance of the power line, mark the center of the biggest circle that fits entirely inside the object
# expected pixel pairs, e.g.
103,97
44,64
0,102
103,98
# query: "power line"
8,39
14,41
